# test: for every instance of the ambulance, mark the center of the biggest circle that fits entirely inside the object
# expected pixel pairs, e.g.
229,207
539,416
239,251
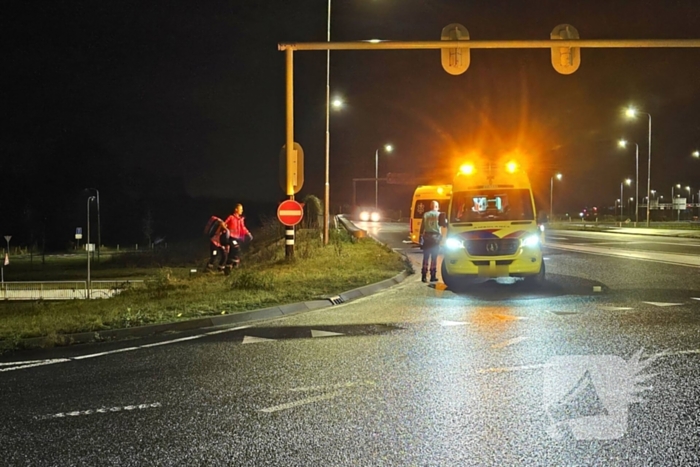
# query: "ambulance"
422,197
492,227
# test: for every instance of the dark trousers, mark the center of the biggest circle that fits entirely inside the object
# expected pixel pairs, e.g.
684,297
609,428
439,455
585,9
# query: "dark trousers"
431,249
234,255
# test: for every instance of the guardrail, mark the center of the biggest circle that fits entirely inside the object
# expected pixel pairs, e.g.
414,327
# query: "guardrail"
351,228
63,290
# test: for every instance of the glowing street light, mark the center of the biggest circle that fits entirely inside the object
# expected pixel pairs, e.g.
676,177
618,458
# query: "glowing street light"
551,193
387,148
623,144
632,112
696,153
337,103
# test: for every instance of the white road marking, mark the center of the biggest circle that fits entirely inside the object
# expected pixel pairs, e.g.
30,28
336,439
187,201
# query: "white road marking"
656,257
255,340
308,400
557,238
35,363
694,298
317,333
615,308
515,368
32,365
77,413
663,304
453,323
25,362
331,386
509,342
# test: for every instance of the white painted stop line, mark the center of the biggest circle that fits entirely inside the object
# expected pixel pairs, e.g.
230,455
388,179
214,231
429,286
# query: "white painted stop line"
290,212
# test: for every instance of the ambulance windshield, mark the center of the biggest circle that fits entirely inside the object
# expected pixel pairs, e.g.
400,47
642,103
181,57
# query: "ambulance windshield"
490,205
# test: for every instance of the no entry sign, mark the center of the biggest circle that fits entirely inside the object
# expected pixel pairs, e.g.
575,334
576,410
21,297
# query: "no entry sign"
290,212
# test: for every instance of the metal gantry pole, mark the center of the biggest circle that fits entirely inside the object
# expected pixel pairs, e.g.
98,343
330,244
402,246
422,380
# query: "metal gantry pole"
649,176
326,196
636,199
289,234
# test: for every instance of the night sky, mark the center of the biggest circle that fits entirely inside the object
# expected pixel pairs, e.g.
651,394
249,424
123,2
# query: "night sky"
195,91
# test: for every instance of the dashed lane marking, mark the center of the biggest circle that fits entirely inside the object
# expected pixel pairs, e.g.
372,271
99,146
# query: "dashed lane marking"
662,304
515,368
77,413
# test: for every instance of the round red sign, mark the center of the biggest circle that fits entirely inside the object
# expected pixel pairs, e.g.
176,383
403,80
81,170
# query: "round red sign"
290,212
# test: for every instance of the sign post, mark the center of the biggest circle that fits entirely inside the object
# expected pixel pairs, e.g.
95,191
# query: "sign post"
290,213
7,257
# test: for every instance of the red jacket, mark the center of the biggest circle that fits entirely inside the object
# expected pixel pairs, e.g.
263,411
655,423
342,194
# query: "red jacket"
236,226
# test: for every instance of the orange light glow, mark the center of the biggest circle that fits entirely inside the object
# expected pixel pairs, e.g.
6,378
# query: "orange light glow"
512,167
440,190
467,169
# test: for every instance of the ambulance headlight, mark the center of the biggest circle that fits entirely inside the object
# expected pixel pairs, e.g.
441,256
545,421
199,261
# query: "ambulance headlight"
364,216
531,241
374,217
454,243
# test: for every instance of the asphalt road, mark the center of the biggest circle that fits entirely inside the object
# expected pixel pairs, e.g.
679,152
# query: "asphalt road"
417,375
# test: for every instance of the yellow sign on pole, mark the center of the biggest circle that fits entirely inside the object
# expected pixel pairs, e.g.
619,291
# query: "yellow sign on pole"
455,61
296,173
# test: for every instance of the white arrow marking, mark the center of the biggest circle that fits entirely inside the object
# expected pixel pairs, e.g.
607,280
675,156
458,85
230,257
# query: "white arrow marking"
503,344
663,304
315,333
253,339
452,323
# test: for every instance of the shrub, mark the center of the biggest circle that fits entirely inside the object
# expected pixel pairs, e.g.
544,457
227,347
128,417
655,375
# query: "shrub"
252,280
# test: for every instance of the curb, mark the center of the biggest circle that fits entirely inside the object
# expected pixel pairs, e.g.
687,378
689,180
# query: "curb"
211,321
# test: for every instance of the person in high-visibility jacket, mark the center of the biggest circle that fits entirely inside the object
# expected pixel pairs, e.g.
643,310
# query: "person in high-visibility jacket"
238,232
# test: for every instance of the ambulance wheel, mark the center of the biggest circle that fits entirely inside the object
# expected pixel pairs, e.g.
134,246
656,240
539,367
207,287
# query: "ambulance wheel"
453,283
538,279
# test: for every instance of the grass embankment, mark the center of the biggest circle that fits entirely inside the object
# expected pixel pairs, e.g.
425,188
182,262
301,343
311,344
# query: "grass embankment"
171,292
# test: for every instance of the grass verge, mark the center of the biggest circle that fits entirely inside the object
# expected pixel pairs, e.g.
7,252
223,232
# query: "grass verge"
172,293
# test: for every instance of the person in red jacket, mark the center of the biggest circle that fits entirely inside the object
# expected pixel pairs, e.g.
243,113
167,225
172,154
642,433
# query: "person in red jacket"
238,232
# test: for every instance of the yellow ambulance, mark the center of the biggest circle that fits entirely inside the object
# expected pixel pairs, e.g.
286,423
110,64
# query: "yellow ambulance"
422,197
492,226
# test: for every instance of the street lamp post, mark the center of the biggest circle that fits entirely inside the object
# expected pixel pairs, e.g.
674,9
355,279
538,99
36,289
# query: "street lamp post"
677,185
99,225
551,193
87,245
623,144
631,112
387,148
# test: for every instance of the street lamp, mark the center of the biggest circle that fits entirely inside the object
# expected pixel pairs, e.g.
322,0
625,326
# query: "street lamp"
622,196
696,153
622,143
87,245
387,148
99,225
632,112
677,185
551,193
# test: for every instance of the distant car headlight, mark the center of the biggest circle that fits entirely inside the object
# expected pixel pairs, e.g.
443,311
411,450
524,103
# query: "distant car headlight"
531,241
364,216
374,217
541,227
453,243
